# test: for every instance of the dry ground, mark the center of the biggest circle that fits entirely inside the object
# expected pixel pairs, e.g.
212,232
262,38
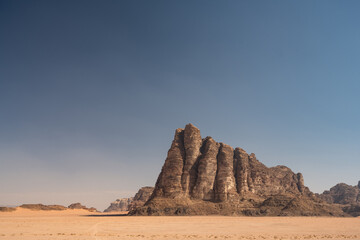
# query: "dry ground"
77,225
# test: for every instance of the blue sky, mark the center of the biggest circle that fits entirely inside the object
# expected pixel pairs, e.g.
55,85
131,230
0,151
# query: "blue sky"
91,92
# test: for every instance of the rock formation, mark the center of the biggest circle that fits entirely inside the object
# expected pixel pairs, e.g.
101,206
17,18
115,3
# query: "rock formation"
76,206
39,206
120,205
346,195
126,204
42,207
141,197
201,176
80,206
342,194
7,209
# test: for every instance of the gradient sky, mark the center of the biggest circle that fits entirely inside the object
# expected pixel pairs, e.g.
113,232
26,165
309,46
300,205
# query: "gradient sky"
91,92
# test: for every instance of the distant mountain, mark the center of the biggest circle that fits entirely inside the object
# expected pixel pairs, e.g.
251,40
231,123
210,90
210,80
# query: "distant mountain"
202,176
346,195
126,204
342,193
42,207
119,205
80,206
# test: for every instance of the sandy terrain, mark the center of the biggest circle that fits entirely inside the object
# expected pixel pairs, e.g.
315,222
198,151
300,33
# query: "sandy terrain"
78,225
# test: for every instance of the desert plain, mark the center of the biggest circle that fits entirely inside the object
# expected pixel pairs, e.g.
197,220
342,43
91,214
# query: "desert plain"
27,224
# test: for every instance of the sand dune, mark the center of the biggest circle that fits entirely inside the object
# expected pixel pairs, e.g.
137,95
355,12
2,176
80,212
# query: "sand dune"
80,225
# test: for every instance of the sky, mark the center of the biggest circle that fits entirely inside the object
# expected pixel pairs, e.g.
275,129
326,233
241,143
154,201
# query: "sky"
91,92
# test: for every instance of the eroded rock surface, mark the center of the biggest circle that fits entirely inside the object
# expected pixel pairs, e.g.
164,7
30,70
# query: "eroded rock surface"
192,144
206,171
201,176
169,183
225,187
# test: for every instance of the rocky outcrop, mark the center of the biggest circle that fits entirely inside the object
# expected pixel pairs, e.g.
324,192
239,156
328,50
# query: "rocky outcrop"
43,207
80,206
127,204
77,206
346,195
141,197
120,205
38,207
342,194
201,176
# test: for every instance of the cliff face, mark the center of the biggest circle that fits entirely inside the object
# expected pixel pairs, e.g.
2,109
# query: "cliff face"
346,195
201,176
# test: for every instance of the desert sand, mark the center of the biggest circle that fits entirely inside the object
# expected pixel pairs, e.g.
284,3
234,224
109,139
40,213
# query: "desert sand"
80,224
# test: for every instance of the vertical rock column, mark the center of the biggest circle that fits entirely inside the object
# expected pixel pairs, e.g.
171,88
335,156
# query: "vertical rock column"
192,144
225,187
204,187
242,170
169,181
300,183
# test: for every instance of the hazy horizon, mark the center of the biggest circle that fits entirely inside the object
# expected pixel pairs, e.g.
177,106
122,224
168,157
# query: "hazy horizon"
91,92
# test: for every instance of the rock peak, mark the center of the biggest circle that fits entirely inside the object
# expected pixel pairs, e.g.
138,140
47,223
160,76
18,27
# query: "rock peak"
190,125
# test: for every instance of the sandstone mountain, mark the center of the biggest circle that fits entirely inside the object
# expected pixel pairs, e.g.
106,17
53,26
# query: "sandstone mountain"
127,204
120,205
202,176
346,195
